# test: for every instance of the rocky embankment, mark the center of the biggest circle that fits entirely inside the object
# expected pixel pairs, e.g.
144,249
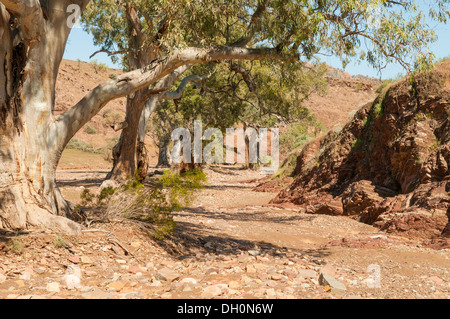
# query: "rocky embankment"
389,166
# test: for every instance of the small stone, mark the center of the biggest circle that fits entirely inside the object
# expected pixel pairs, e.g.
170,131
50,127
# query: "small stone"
96,293
276,277
211,292
90,273
26,275
329,270
234,284
250,269
134,295
39,271
438,281
135,244
167,274
2,278
86,260
189,281
212,271
20,283
307,273
86,289
117,285
254,252
244,258
271,293
53,287
121,261
187,289
305,285
156,283
75,259
261,267
166,295
134,270
336,286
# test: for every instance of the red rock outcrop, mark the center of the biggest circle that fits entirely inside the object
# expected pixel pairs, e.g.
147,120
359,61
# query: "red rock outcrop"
389,166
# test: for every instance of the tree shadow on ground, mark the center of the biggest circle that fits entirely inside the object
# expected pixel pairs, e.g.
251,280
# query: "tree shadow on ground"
227,170
260,215
225,187
190,239
86,182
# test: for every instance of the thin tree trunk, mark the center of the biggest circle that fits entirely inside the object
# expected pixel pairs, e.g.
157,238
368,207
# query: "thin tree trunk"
124,159
163,148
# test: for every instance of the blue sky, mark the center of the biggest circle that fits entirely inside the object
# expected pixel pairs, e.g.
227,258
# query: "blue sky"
80,46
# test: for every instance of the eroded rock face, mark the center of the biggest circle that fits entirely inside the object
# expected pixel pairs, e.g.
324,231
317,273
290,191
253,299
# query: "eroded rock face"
389,166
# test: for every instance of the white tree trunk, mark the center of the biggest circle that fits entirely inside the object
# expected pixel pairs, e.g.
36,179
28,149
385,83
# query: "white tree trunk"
30,141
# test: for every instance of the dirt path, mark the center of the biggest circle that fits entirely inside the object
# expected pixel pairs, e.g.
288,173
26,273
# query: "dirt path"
229,244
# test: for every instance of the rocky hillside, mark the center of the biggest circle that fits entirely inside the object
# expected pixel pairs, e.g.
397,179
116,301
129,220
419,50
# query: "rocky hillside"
389,166
345,94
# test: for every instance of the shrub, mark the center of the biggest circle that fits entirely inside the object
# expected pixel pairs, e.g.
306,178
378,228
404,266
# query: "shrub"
383,85
16,246
76,144
149,207
112,118
98,66
357,144
59,242
90,130
298,134
435,145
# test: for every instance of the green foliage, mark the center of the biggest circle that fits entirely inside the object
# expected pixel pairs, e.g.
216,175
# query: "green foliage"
357,144
383,85
149,206
378,110
300,29
59,242
436,144
182,186
90,130
86,197
112,117
99,66
377,31
277,95
299,133
106,193
16,246
76,144
378,107
292,141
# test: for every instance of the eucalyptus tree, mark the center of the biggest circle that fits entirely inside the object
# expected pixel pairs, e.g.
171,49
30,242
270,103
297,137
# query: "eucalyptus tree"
254,94
33,38
125,29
